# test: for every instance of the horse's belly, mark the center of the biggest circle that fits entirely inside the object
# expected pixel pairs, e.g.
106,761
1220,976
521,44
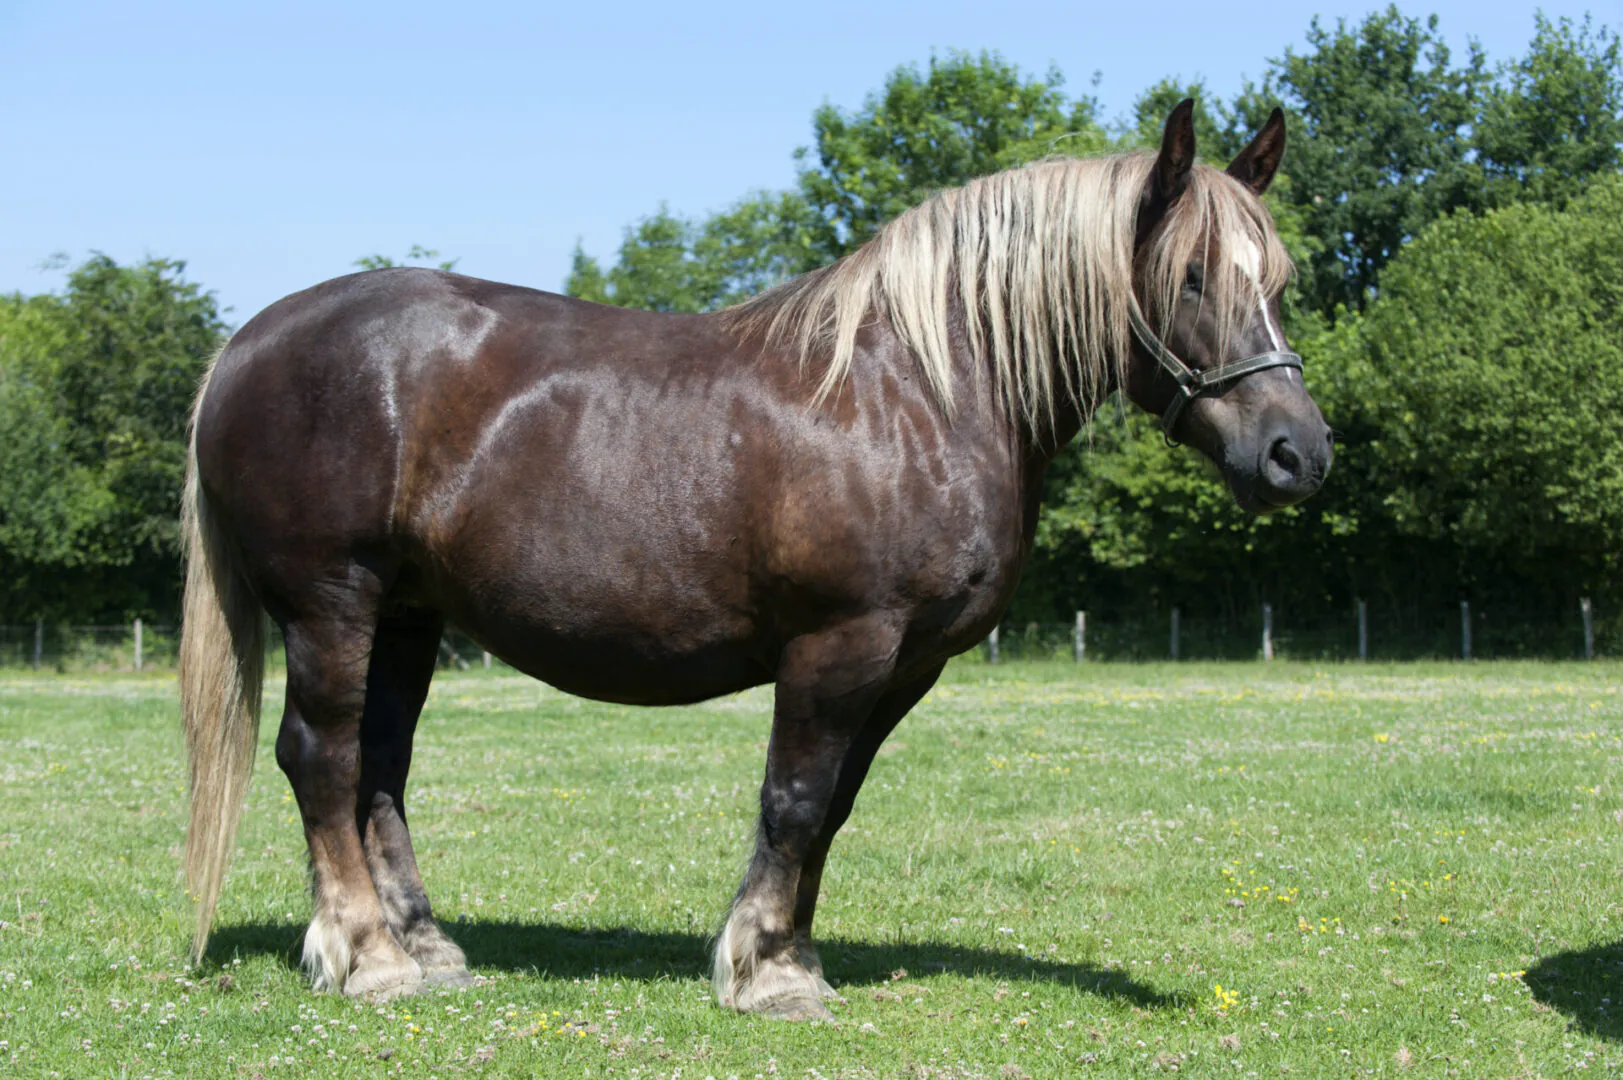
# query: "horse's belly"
660,654
606,671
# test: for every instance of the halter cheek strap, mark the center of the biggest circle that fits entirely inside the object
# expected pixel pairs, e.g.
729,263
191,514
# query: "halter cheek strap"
1191,383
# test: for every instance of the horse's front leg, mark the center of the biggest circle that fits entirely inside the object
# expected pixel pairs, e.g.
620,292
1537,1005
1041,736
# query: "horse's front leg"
886,714
828,684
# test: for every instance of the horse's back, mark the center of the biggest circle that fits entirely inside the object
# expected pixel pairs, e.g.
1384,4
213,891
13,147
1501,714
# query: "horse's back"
374,384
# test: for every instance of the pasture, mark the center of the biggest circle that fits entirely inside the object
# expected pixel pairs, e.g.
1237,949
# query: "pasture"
1212,870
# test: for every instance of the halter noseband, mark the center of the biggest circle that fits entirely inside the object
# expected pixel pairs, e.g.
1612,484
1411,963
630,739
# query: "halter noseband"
1192,383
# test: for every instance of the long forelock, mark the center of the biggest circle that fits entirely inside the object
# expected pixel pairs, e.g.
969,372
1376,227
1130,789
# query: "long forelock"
1040,261
1218,223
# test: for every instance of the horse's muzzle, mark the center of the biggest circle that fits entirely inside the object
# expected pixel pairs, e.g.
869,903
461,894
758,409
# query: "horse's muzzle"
1295,459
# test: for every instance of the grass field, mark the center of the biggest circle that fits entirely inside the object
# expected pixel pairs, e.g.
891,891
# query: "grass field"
1214,870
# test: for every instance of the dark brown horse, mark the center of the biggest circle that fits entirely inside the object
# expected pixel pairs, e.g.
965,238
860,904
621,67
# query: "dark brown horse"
831,488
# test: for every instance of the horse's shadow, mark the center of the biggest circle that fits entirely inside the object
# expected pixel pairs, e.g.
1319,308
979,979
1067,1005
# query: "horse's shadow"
1586,985
565,952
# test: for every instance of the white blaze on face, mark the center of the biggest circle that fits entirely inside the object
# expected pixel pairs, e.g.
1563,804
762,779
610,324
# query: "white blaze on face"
1249,260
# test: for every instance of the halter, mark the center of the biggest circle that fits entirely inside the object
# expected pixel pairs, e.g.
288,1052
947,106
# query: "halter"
1192,383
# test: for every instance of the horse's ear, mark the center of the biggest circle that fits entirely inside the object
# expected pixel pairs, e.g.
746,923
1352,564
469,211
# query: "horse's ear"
1171,172
1256,165
1177,155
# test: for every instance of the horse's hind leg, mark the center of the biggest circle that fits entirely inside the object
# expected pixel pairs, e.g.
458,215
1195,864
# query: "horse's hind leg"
827,685
403,657
348,946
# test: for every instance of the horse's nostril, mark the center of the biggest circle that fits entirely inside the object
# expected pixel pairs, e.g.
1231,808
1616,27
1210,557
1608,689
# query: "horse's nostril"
1283,454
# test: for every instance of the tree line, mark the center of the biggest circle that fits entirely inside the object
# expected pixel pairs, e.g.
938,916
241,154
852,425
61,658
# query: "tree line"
1457,225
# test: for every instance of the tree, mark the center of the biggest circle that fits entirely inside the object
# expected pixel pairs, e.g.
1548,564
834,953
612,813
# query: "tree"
1554,119
656,269
95,390
51,506
417,254
1490,376
667,263
1381,144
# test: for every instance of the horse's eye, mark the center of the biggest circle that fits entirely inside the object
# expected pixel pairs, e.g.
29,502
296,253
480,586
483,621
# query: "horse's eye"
1194,279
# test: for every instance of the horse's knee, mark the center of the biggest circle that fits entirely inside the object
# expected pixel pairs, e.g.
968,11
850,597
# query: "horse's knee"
791,820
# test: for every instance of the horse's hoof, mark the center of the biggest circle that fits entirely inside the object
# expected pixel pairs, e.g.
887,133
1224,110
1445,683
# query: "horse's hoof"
384,980
427,944
795,1007
449,978
814,967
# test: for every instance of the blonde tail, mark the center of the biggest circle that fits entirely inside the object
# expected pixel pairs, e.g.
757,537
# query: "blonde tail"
222,661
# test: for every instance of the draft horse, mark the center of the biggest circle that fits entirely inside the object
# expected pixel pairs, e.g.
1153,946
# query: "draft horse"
831,488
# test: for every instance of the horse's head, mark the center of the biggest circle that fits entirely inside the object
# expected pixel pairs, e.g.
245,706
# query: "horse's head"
1208,352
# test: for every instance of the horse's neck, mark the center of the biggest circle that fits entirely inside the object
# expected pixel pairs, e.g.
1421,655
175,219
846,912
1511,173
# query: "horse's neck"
1043,440
1036,445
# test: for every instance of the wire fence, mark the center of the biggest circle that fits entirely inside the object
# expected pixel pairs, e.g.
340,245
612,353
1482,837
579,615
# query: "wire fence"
1366,633
137,646
55,647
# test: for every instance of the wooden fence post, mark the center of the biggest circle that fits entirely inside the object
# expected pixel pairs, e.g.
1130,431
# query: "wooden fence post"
138,656
1267,631
1363,632
1589,628
450,652
1174,633
39,642
1465,629
991,646
487,659
1079,637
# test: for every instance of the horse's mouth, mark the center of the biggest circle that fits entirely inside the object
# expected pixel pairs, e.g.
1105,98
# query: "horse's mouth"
1252,501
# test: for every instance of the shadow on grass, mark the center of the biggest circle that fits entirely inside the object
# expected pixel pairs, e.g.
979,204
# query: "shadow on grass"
1587,985
565,952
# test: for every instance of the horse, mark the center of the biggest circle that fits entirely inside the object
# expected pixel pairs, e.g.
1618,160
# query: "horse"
831,487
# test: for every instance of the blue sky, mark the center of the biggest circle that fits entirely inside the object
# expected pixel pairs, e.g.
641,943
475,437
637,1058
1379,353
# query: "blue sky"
270,145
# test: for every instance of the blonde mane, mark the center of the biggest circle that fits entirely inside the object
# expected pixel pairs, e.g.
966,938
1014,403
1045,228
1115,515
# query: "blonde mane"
1040,260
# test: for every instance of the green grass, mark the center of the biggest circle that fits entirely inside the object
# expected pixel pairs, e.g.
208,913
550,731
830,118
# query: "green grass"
1050,872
